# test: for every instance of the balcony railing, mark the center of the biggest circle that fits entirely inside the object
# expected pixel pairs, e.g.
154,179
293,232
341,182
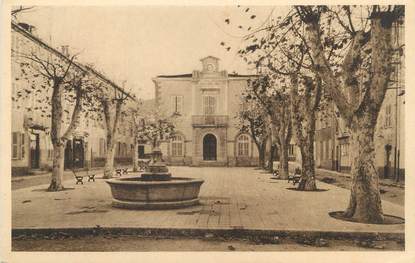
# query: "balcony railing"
210,120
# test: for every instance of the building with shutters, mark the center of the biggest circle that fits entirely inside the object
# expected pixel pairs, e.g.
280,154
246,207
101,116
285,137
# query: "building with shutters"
31,146
206,103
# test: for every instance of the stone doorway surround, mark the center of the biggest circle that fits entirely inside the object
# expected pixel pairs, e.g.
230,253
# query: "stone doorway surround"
221,154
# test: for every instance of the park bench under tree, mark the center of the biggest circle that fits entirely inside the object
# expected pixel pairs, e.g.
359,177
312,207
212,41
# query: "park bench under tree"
80,177
121,171
143,164
296,177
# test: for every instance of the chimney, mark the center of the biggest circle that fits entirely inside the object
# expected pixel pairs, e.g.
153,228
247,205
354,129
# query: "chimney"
65,50
29,28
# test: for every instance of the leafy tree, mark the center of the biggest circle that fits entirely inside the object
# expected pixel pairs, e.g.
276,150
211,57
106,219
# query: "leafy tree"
278,49
276,103
61,92
253,120
110,108
136,115
155,129
357,79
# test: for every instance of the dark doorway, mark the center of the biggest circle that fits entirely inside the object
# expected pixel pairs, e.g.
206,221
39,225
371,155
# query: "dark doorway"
338,159
209,148
34,151
140,151
68,155
388,163
78,153
74,154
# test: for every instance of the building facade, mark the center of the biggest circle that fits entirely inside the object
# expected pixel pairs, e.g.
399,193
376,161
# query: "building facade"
206,103
31,146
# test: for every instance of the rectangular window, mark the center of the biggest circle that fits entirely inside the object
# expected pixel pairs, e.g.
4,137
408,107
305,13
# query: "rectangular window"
209,105
177,149
243,149
177,104
15,145
328,149
177,146
345,149
388,116
322,147
291,150
243,145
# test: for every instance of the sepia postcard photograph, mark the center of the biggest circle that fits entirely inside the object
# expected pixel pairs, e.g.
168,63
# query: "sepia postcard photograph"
206,127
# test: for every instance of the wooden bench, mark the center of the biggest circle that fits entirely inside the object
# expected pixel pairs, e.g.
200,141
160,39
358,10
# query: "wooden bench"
296,177
121,171
275,173
80,178
143,164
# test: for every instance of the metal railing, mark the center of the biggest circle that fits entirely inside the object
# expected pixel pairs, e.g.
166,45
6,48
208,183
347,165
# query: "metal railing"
209,120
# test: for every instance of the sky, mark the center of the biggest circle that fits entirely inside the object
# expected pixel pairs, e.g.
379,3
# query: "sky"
137,43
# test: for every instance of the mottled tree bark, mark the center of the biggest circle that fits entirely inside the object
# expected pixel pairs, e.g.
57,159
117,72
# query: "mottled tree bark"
360,116
308,172
58,144
283,134
283,169
261,156
111,130
109,160
59,140
365,202
57,167
271,159
304,108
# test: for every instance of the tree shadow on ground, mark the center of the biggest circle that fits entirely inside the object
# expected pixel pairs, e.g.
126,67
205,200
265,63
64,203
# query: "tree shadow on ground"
388,219
296,189
46,190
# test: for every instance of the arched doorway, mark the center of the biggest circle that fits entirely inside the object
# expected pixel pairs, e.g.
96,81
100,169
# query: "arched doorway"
209,147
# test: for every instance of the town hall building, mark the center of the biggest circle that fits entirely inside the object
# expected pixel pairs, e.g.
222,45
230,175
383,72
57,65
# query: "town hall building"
206,103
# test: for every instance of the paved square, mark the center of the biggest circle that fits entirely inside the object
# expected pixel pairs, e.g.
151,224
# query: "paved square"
230,198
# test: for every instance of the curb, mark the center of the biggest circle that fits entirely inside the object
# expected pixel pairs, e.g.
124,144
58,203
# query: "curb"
200,232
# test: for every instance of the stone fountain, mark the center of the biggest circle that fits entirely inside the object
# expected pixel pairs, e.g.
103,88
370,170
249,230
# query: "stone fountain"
155,188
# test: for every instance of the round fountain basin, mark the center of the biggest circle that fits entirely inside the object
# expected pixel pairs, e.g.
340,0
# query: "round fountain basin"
138,193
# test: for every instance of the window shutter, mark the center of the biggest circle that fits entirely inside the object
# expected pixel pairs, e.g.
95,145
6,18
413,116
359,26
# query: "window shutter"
214,104
173,103
22,146
205,105
15,142
179,104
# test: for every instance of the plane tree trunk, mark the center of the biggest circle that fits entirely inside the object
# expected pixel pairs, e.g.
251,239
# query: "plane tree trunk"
283,169
365,202
282,133
360,115
111,121
304,108
58,139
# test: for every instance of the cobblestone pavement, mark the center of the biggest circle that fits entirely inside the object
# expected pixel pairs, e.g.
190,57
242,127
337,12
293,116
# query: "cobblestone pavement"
230,198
